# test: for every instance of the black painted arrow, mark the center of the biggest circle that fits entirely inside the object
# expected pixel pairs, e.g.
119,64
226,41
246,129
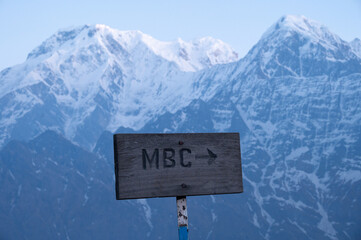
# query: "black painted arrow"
211,156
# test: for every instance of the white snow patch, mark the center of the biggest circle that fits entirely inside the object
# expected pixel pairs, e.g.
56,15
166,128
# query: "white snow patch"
209,234
80,174
86,198
268,127
255,220
11,174
300,124
214,216
350,176
52,161
147,211
296,153
19,190
325,225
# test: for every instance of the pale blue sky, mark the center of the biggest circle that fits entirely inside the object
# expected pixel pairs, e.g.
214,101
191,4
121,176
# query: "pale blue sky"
25,24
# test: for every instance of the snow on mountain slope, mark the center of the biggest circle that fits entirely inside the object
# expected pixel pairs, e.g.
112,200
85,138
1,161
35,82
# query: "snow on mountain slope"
189,56
295,99
356,46
298,46
98,77
298,92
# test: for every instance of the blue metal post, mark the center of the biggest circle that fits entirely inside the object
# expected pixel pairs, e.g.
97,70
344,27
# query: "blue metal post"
183,233
182,218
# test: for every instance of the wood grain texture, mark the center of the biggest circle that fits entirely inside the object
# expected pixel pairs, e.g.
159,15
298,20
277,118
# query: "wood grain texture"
168,165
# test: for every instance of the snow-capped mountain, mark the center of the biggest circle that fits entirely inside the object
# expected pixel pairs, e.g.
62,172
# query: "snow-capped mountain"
100,78
298,92
294,98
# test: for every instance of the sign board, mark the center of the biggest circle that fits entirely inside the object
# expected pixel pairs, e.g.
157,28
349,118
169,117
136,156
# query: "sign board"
169,165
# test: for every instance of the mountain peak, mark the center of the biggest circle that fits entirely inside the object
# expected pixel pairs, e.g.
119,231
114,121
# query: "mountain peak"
101,26
299,24
295,41
56,40
189,56
91,65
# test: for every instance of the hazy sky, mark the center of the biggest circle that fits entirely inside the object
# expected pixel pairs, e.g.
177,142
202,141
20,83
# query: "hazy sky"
24,24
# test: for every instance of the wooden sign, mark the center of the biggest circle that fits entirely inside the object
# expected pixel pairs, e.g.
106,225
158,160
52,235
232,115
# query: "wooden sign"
169,165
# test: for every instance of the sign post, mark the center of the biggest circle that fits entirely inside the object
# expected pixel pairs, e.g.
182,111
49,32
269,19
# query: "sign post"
182,218
177,165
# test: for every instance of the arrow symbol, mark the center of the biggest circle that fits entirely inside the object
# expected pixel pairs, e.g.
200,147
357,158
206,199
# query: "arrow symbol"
211,156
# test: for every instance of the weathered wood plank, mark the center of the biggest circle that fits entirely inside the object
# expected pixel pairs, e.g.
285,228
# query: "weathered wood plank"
165,165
